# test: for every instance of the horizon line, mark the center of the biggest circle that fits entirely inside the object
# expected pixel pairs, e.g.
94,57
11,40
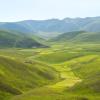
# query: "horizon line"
50,19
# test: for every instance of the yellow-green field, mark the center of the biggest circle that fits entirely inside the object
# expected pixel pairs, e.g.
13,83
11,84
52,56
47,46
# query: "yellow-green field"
60,72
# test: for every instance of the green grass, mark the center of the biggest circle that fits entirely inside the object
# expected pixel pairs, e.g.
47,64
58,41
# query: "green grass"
62,72
17,39
78,37
79,74
57,56
19,76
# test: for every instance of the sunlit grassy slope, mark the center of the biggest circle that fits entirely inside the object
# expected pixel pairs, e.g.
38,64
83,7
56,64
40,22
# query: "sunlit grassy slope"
79,73
88,69
18,76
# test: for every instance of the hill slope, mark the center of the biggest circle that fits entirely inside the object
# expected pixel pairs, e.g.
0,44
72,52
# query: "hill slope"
78,37
17,39
17,77
80,72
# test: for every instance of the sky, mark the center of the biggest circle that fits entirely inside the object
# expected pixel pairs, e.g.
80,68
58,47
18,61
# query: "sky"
16,10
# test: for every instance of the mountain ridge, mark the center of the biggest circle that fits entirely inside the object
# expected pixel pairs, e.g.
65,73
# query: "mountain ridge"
91,24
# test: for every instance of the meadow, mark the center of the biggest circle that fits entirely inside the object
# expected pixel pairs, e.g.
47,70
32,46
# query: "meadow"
60,72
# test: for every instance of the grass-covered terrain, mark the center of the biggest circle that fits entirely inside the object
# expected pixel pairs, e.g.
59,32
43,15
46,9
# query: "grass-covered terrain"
17,39
62,71
18,74
78,37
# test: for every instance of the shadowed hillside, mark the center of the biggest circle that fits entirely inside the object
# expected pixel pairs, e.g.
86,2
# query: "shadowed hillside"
17,39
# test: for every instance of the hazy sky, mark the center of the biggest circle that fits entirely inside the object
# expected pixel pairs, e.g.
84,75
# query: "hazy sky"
14,10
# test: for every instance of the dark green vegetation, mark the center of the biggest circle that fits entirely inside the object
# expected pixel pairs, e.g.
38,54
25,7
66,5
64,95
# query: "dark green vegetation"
17,39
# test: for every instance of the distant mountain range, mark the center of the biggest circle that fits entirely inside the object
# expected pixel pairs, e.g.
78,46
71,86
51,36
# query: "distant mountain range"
31,33
91,24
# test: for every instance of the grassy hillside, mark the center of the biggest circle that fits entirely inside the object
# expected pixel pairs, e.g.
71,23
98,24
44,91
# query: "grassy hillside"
17,39
68,70
57,56
79,74
78,37
20,76
67,36
88,37
87,68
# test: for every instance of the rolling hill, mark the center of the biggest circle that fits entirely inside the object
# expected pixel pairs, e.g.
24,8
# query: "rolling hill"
17,39
17,77
79,70
78,37
67,69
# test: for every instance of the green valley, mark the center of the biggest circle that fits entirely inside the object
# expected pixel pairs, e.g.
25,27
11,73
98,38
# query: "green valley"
66,67
49,49
79,73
